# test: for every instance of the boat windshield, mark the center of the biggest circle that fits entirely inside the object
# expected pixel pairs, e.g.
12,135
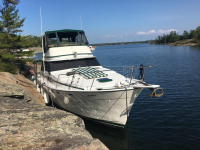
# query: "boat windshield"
67,64
65,38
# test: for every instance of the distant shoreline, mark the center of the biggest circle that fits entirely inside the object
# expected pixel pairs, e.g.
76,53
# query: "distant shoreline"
187,42
120,43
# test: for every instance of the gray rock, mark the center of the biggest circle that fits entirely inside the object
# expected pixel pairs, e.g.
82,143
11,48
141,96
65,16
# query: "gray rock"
11,91
26,124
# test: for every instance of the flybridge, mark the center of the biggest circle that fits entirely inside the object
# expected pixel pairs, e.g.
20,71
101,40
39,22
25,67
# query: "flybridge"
63,30
66,37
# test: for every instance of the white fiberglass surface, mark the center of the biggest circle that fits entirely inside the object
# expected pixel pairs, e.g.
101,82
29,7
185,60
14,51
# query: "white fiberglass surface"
67,50
77,81
81,81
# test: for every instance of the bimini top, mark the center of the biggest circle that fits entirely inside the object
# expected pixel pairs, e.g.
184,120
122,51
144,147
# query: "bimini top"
65,37
63,30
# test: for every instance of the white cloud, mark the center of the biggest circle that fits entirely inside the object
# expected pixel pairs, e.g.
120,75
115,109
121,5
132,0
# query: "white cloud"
154,31
108,36
166,31
122,36
141,33
114,36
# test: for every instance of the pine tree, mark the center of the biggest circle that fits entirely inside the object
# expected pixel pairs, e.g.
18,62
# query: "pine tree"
10,24
198,34
10,38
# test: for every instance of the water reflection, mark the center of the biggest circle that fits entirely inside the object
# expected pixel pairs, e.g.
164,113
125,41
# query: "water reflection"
169,122
111,137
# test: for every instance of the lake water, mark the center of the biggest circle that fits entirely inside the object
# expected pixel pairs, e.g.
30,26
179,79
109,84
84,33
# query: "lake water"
169,122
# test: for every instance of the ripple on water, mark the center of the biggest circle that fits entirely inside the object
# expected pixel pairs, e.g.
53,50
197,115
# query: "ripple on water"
169,122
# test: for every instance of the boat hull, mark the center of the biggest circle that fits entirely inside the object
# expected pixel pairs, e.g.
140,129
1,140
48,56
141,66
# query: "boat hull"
110,107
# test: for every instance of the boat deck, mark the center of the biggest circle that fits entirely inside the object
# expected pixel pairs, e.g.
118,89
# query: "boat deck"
68,79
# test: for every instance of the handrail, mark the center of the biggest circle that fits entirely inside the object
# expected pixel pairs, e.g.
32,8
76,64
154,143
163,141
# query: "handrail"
128,71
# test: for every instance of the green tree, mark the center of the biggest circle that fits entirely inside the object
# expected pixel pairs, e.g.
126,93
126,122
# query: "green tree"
198,34
10,27
164,39
185,35
176,36
158,40
172,36
31,41
192,34
10,38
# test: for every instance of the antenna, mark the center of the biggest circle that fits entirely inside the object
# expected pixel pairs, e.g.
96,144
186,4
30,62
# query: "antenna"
41,19
42,39
81,22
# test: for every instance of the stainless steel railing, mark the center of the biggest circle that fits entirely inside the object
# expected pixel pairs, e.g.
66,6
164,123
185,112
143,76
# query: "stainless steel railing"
130,72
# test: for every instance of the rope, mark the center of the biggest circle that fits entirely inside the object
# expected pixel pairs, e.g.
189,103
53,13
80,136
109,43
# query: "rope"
153,94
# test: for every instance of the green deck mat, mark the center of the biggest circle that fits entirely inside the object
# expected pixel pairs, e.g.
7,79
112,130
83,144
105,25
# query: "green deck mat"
90,73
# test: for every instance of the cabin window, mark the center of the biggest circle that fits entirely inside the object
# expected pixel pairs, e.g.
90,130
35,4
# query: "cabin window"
65,38
52,39
71,38
84,39
81,37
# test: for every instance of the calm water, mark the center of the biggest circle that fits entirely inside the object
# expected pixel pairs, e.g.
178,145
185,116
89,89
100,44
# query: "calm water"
169,122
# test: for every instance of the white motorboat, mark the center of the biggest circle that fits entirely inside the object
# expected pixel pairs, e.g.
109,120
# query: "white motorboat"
73,79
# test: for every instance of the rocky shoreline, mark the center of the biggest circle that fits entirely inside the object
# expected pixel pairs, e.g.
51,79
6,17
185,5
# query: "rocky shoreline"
188,42
26,123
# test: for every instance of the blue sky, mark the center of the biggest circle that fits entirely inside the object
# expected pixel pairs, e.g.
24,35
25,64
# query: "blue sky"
106,21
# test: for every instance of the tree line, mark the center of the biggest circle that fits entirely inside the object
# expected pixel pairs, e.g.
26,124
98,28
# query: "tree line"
30,41
174,36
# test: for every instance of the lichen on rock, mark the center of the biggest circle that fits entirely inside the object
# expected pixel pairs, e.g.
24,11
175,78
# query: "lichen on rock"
28,124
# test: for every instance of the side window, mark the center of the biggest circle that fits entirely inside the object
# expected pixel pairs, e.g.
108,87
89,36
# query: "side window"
52,39
81,37
84,39
78,38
